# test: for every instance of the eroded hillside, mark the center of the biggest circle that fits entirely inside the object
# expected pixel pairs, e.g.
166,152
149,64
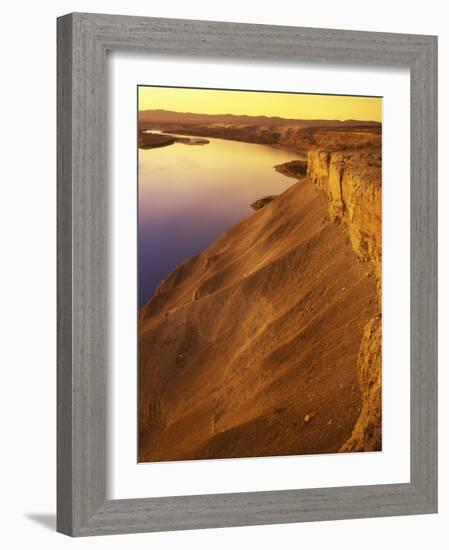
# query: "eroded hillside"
352,182
268,342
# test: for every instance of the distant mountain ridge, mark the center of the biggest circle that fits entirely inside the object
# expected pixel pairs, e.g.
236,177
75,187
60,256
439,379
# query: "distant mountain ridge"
162,116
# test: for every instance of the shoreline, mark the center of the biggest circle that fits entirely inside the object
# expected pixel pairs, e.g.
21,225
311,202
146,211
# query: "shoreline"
150,140
256,205
301,154
298,140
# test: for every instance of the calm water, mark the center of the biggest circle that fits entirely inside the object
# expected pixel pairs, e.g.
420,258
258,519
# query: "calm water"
190,194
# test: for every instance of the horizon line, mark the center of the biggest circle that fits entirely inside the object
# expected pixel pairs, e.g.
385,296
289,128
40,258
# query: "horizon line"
259,115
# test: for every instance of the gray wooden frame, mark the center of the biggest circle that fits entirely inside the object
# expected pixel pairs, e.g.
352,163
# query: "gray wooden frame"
83,40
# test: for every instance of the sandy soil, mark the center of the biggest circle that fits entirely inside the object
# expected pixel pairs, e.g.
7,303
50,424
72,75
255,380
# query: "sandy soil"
250,348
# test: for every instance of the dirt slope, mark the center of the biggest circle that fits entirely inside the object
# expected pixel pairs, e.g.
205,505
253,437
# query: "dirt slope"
251,348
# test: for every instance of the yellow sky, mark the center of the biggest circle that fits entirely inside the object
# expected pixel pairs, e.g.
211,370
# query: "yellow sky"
301,106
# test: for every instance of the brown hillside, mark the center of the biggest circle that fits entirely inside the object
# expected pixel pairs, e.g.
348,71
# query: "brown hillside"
251,348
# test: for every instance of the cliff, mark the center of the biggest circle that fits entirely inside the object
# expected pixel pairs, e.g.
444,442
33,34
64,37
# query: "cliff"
367,433
294,169
351,180
261,203
151,141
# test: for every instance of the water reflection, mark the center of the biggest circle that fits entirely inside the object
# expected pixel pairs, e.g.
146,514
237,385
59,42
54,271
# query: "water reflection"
190,194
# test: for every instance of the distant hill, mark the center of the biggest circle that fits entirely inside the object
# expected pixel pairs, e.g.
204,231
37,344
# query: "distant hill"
251,348
161,116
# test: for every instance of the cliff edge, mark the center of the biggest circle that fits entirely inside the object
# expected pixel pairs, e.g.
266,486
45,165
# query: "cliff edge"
351,179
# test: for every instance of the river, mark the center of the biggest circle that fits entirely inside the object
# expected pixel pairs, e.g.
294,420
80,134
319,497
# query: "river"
189,194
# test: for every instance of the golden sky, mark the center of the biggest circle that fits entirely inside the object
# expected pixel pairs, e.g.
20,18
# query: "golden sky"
301,106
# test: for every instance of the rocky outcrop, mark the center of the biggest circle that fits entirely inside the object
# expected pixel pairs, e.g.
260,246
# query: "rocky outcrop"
351,180
260,203
367,433
294,169
305,139
149,140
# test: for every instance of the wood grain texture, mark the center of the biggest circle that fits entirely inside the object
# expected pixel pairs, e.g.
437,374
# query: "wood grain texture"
64,277
83,40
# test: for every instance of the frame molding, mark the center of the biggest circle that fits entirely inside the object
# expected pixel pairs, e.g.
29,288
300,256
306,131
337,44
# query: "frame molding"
83,40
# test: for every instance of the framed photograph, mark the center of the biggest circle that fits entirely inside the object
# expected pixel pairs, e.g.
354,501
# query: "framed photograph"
247,274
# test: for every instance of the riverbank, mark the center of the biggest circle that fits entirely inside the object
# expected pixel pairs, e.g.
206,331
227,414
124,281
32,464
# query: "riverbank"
297,138
150,140
300,372
190,195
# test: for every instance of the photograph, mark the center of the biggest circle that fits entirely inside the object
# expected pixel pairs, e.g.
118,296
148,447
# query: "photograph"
225,239
259,273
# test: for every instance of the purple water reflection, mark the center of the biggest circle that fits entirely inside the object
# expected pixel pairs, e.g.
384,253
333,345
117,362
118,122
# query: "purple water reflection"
190,194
